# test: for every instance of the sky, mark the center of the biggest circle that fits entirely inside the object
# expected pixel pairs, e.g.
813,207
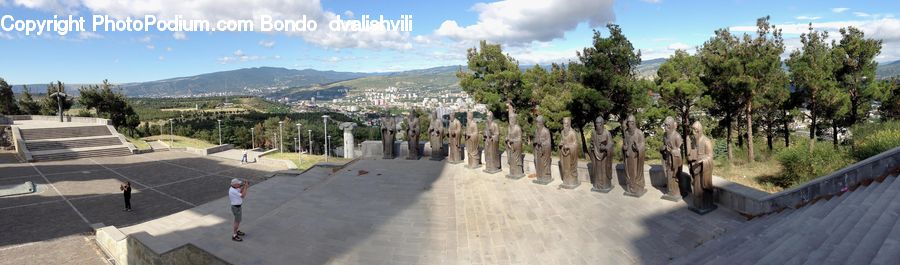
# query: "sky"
531,31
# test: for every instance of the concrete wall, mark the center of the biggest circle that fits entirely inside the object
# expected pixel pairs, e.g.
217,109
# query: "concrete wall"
128,250
89,120
751,202
19,143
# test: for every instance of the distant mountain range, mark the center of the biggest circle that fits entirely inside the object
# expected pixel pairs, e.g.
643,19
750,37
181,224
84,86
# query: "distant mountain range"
282,82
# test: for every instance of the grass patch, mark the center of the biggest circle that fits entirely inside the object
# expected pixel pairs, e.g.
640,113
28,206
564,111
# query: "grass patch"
138,143
756,175
180,141
306,161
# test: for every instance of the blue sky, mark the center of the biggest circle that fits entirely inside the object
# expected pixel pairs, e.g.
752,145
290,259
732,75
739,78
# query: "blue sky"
531,31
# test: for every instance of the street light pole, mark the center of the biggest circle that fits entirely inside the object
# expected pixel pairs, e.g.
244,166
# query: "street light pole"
220,131
298,142
252,139
171,132
281,136
325,121
310,141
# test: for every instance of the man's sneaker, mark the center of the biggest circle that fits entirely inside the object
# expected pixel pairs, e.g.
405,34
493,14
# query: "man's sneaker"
241,233
237,238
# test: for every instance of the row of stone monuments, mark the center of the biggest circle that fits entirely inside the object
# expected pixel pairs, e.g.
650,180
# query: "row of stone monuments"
602,146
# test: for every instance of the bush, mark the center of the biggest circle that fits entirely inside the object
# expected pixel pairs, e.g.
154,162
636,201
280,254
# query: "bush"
870,139
801,166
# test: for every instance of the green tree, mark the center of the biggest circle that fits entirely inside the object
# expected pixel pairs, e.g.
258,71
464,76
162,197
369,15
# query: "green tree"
494,79
49,105
680,88
721,63
762,71
812,74
609,69
890,98
553,90
27,104
7,99
855,70
109,104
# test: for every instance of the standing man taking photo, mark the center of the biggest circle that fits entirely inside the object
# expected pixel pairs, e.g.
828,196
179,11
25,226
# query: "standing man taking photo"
236,195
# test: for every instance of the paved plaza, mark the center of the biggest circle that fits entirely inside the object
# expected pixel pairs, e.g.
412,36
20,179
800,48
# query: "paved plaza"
53,225
426,212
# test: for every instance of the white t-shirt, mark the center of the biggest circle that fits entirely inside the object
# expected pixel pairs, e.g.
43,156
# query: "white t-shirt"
234,194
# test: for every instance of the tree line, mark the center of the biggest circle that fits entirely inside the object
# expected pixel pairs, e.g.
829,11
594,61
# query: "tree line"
737,81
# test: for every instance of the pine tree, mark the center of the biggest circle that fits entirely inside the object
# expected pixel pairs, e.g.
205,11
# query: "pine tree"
812,74
680,88
855,71
27,104
494,79
7,99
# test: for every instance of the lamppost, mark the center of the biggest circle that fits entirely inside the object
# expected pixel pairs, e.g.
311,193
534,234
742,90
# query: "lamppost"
327,139
252,139
310,141
220,131
298,142
171,132
325,121
281,136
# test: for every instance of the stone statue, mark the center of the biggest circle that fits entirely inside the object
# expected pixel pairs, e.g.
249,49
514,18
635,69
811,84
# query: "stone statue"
515,160
568,156
412,135
602,148
542,149
671,155
473,139
388,130
634,153
436,131
491,145
700,158
455,133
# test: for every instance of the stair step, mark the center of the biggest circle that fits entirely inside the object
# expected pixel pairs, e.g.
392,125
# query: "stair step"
780,251
723,245
878,224
70,144
840,231
64,132
890,249
115,151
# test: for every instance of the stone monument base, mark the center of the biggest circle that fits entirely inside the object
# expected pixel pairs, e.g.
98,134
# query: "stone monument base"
543,181
671,198
454,162
435,158
602,190
519,176
635,194
569,186
491,170
703,211
471,166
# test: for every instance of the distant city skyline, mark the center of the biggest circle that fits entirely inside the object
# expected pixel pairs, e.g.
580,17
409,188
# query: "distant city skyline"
533,32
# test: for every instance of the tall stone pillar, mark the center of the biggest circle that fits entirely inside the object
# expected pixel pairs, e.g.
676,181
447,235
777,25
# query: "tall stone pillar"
349,143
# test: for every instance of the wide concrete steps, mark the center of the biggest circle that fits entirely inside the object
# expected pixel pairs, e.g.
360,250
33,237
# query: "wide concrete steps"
858,227
64,132
43,145
118,150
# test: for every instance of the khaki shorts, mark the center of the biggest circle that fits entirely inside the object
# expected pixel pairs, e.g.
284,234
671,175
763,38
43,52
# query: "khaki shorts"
236,210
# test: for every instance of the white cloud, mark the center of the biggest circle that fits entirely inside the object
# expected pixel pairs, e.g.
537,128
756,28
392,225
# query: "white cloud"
214,10
146,39
653,1
169,49
839,9
150,46
517,22
348,14
179,35
240,56
861,14
267,43
808,18
886,29
161,58
678,46
85,35
6,36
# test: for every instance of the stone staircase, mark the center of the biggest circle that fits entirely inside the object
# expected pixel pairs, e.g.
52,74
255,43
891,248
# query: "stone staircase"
72,142
857,227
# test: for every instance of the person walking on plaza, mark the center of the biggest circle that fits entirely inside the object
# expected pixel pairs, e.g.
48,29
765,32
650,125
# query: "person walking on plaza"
244,157
126,192
236,195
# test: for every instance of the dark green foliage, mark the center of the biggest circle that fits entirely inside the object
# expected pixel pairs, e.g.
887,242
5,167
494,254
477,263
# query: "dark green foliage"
494,79
800,165
609,68
855,71
870,139
27,104
49,105
890,99
109,104
7,99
